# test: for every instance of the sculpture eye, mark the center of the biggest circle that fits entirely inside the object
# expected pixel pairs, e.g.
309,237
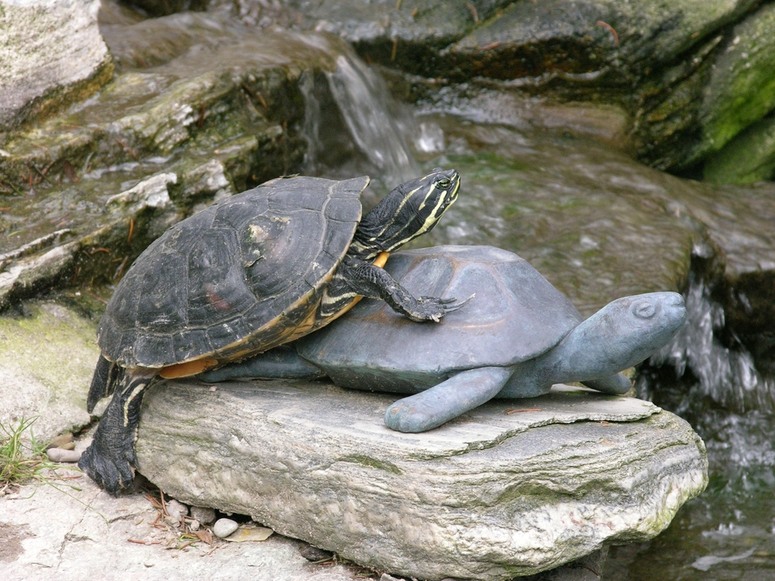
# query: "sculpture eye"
643,309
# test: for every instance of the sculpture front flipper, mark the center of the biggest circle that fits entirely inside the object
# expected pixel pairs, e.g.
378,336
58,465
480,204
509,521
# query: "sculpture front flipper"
447,400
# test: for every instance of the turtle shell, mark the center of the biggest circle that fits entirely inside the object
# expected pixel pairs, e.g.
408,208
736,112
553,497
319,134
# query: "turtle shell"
515,315
239,277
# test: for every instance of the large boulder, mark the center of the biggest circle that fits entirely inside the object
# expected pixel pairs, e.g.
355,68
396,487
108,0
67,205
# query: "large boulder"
736,114
513,488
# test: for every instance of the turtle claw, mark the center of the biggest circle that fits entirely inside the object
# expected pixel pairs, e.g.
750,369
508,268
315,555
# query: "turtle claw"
434,308
429,309
113,471
453,304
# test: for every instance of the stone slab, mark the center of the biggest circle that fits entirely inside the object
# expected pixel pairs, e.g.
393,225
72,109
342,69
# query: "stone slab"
510,489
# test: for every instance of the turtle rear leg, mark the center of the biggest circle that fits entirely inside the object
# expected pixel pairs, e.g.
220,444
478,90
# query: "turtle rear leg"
279,363
103,382
110,459
447,400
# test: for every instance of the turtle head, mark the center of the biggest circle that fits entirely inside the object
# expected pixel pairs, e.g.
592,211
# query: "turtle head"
410,210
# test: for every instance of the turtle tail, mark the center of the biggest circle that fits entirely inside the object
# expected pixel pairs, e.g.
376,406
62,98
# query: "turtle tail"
103,383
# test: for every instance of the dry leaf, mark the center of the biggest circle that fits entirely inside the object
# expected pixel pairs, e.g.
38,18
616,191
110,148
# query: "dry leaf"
250,533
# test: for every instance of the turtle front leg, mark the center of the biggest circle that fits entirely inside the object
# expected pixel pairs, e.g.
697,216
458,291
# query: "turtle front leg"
110,459
357,277
447,400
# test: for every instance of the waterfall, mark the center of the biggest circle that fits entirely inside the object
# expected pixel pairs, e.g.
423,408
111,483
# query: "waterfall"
352,122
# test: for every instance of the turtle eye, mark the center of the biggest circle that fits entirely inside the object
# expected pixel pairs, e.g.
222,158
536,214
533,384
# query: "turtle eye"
643,309
443,183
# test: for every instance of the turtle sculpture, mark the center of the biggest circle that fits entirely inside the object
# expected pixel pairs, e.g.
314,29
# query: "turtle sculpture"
518,337
252,272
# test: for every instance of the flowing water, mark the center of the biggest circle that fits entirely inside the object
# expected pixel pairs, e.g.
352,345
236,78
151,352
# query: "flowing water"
344,136
710,378
706,375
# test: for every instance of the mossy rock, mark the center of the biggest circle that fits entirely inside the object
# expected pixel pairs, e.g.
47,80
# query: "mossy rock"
47,357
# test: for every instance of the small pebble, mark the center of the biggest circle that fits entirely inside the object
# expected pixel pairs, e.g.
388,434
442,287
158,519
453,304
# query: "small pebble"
62,455
193,525
223,527
176,511
203,514
64,441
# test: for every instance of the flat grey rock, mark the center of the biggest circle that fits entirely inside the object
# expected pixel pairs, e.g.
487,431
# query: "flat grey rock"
513,488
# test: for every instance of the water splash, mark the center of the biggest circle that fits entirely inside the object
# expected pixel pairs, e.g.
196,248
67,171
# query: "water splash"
710,378
350,118
706,349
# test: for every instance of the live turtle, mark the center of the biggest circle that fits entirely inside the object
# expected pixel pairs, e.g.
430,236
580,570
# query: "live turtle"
518,337
247,274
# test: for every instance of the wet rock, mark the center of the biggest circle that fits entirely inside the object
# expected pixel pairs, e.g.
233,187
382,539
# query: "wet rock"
224,527
597,224
143,211
211,130
589,37
593,51
388,29
600,225
52,54
513,488
678,69
742,69
748,158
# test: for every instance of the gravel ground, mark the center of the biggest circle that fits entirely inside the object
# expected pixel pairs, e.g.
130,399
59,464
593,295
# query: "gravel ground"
64,527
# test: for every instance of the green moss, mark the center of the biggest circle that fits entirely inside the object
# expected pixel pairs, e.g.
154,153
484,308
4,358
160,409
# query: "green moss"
741,89
748,158
53,344
372,463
